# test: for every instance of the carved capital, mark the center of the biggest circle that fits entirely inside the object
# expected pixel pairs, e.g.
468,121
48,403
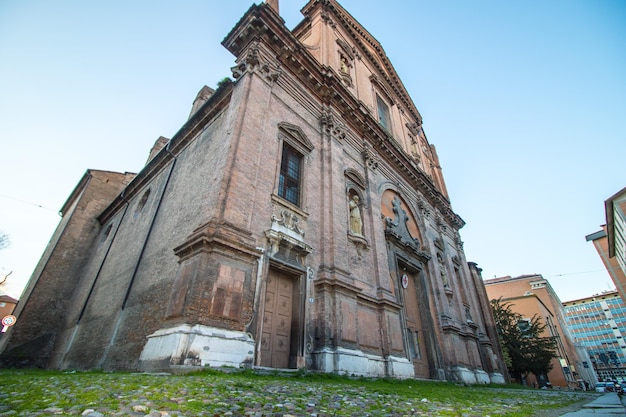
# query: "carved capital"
327,19
253,61
370,157
441,224
331,126
414,127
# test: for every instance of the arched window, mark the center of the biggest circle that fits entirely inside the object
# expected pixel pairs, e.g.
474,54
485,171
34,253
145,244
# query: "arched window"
142,202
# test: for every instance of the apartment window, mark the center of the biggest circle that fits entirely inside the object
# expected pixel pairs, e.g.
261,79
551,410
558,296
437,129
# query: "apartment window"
290,175
383,113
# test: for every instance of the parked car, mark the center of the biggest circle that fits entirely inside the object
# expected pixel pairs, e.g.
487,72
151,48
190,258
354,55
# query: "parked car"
601,387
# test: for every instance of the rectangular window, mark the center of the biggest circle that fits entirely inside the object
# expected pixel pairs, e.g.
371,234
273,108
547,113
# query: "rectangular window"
290,173
383,113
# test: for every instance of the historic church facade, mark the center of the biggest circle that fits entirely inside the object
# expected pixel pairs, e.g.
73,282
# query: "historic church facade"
298,219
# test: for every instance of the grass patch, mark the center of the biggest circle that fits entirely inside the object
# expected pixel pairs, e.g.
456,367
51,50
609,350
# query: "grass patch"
213,393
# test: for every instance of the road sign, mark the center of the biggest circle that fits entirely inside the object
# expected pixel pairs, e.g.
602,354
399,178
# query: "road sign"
8,321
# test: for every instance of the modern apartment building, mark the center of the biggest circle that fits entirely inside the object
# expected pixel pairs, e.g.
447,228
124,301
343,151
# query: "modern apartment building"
599,324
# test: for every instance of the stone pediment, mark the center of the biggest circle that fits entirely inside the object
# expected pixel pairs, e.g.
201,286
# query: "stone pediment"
297,135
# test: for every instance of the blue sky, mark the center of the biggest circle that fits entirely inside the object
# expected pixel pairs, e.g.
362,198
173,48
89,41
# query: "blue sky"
524,101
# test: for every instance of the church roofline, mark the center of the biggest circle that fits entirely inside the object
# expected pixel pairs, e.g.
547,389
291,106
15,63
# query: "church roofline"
82,183
358,32
187,132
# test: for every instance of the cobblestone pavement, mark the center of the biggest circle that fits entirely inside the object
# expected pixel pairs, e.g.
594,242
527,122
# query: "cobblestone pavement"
143,395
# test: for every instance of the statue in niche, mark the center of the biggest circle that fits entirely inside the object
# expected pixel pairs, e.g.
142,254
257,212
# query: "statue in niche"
356,223
344,65
344,71
414,150
442,271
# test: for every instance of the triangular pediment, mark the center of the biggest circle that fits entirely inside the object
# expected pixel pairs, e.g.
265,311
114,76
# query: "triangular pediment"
296,134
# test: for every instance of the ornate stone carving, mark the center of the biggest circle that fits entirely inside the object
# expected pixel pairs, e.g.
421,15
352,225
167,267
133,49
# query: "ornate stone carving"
423,207
289,221
468,314
354,177
397,226
296,137
331,126
370,157
414,127
254,62
326,18
356,222
349,51
441,224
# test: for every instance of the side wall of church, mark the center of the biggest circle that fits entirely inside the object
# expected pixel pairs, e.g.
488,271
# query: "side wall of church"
48,296
125,289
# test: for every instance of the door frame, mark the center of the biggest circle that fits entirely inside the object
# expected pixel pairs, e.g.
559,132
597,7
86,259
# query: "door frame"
400,261
296,348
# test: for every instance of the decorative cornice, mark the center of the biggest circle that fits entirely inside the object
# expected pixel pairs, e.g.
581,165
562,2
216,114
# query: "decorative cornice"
217,235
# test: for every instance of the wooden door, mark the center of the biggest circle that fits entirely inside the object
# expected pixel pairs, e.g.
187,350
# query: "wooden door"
277,318
415,329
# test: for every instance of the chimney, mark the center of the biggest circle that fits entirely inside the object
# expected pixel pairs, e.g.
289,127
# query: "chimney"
203,96
158,145
274,5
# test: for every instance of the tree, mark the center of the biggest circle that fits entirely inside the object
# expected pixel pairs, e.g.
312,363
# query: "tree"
527,351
